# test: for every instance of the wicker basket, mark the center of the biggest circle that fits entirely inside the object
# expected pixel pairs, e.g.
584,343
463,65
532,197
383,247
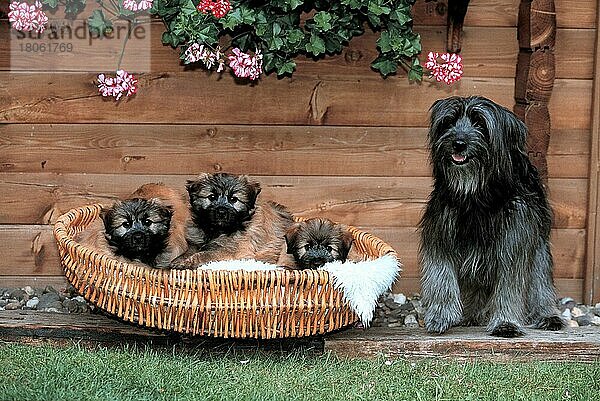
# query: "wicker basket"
236,303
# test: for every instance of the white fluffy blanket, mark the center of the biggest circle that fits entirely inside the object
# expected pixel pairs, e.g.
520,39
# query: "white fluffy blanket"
360,282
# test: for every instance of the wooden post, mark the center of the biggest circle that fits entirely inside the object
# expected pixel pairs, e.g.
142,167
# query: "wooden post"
457,9
535,76
591,292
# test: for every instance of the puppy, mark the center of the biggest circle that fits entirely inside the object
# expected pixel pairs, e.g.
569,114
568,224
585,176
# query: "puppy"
485,255
147,226
227,223
314,242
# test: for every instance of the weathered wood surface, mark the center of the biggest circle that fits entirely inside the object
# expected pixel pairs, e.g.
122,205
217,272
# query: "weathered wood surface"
257,149
31,250
90,329
579,344
31,198
573,50
592,282
537,24
194,97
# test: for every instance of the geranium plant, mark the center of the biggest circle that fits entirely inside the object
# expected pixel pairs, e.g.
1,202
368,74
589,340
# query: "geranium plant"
255,36
279,30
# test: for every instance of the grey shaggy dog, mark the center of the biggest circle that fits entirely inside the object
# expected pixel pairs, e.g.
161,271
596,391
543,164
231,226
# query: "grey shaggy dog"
485,255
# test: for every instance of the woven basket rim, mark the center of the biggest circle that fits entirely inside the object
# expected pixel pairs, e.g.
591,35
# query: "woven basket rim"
66,220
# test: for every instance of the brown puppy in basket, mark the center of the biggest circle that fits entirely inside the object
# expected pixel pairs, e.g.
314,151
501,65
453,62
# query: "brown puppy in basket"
147,226
228,224
314,242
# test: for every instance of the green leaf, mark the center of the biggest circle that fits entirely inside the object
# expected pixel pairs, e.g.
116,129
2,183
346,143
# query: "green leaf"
98,24
353,4
384,42
50,3
286,68
315,45
416,72
322,20
376,7
170,39
401,14
188,7
232,19
295,36
385,66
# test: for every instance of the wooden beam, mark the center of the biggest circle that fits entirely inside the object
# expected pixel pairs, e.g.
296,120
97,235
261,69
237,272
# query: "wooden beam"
535,76
465,343
457,10
592,277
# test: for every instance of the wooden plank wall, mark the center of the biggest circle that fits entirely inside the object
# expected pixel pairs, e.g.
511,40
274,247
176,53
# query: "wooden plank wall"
335,140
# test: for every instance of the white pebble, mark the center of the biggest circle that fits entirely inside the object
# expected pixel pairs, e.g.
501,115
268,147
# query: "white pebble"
567,314
596,320
410,321
28,290
32,303
576,312
572,323
399,298
597,305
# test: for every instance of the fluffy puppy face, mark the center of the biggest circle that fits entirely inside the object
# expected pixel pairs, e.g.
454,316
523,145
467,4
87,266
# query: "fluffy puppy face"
472,141
315,242
137,228
222,202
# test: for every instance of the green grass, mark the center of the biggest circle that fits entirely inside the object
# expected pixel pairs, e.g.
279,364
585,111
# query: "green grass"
77,373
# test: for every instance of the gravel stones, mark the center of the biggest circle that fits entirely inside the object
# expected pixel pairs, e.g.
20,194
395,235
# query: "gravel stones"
47,299
398,310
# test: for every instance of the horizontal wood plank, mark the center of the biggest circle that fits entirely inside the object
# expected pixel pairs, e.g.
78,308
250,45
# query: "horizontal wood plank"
467,343
360,201
31,250
569,13
193,97
573,49
265,150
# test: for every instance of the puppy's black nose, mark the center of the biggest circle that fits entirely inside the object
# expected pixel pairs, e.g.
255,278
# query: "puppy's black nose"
459,145
137,238
221,213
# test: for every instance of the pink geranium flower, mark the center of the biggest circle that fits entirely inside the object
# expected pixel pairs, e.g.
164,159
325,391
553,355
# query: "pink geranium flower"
25,17
244,65
197,52
449,70
219,8
134,5
121,84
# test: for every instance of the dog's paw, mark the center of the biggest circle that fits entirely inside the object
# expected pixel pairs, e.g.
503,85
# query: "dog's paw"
552,323
507,330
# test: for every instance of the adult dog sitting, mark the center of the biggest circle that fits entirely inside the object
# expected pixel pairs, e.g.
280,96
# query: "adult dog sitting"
485,255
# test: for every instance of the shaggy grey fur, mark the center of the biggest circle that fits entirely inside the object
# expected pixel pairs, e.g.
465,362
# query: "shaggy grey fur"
485,255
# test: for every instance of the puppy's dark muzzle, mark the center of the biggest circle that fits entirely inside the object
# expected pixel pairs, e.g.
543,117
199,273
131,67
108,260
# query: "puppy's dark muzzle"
316,257
138,239
223,215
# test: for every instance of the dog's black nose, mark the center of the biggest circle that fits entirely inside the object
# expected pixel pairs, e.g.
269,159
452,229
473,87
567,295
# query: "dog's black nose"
459,145
137,238
221,213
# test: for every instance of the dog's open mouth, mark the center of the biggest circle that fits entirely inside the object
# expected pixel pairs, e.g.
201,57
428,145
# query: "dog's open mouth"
458,158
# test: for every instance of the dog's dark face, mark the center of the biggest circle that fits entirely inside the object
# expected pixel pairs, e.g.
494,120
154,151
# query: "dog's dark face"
473,140
315,242
222,202
138,228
